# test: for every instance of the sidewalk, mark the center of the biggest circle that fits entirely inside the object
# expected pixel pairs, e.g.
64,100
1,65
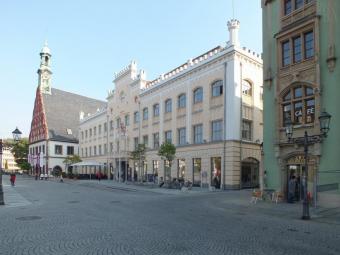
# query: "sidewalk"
12,197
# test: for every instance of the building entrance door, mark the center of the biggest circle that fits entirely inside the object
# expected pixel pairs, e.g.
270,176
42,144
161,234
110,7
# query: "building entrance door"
250,173
294,182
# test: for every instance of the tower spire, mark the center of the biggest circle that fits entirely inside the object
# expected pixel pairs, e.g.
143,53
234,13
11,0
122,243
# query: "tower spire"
44,71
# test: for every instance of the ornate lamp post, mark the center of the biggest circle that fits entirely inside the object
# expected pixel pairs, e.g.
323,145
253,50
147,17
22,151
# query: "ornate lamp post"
307,140
16,136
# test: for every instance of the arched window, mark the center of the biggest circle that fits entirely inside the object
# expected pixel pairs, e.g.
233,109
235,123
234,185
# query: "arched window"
247,88
298,105
217,88
168,105
198,95
156,110
145,113
181,101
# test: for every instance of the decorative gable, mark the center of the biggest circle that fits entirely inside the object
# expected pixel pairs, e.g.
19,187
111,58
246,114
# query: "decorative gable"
38,125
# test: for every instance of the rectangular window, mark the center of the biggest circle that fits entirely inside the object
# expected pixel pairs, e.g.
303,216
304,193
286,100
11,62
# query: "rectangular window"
309,44
298,4
111,124
43,149
86,133
94,150
70,150
105,148
198,133
181,168
287,6
310,110
156,110
127,120
297,49
105,127
99,129
182,101
155,167
118,123
285,53
94,131
99,150
156,140
197,171
287,113
216,128
86,152
111,147
90,132
82,135
217,89
136,142
168,136
246,130
136,117
58,149
82,152
145,114
146,140
168,105
298,113
182,136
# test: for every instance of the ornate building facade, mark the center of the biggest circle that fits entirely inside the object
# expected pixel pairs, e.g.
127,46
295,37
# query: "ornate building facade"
301,77
210,108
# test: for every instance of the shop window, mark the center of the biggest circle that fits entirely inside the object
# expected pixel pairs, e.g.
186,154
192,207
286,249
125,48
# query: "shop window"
299,109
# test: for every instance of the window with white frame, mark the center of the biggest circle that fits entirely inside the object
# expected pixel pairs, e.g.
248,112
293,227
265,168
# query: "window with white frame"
182,136
198,133
168,105
246,129
216,130
168,136
217,88
145,113
198,95
182,101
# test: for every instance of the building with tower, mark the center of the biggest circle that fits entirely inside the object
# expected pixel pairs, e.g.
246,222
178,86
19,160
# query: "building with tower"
209,107
54,126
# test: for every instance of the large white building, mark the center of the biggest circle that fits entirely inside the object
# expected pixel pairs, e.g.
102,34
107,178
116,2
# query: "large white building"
210,107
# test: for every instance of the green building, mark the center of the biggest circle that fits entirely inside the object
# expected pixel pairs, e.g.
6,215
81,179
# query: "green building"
301,43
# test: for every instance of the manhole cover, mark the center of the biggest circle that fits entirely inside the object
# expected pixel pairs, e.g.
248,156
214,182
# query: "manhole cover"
73,202
27,218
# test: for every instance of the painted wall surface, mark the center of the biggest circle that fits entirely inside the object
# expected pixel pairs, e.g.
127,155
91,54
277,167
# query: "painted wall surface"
330,81
327,68
270,25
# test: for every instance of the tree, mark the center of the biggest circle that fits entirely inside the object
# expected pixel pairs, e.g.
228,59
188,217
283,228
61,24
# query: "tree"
167,151
71,159
139,154
20,151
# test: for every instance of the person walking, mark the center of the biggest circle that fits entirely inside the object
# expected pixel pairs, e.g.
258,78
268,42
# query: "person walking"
291,189
12,179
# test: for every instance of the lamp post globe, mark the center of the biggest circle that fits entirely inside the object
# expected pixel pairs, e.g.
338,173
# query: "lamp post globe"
324,119
16,134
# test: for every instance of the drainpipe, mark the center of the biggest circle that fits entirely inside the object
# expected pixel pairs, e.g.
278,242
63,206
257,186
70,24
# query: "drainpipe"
241,119
224,123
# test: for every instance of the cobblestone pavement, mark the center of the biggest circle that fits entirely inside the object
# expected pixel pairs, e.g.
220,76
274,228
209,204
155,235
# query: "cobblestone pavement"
85,217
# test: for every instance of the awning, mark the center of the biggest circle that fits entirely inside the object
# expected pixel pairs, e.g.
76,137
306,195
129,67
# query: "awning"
88,163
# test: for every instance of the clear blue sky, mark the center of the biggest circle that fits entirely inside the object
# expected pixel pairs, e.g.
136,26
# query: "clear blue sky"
90,40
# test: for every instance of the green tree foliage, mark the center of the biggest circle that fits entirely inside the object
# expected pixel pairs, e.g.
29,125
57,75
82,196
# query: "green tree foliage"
138,153
72,159
20,151
167,151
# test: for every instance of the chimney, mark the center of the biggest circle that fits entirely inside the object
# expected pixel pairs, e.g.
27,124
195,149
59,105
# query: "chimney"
233,27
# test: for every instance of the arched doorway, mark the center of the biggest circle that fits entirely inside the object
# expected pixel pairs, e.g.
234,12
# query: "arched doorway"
295,167
249,173
57,170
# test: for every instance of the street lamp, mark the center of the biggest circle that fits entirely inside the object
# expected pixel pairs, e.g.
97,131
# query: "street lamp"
16,134
307,140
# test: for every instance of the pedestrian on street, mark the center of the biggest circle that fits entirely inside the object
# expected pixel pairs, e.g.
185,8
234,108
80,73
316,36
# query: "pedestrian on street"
99,176
12,179
291,189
